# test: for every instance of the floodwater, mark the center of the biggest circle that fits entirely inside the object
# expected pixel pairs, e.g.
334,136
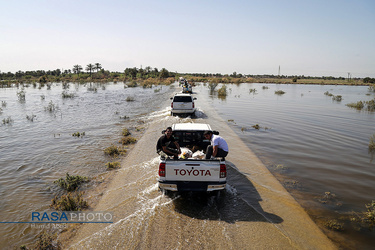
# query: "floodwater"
315,146
35,152
311,143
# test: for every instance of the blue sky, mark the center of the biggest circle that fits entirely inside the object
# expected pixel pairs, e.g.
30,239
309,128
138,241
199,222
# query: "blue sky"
311,38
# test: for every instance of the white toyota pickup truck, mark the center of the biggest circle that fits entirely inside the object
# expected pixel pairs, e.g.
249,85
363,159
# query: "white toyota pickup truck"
192,174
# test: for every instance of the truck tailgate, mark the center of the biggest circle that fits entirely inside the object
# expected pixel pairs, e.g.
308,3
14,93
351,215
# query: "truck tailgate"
182,170
183,105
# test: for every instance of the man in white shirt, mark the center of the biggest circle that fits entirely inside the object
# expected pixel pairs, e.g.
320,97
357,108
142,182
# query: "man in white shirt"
218,147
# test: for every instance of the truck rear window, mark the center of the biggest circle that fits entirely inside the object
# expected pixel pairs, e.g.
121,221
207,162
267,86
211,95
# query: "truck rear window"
182,99
190,139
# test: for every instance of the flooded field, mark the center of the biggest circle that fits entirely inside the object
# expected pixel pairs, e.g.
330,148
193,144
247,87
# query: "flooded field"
37,146
316,146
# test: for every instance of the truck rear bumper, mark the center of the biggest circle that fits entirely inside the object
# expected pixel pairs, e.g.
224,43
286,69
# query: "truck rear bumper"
183,111
191,186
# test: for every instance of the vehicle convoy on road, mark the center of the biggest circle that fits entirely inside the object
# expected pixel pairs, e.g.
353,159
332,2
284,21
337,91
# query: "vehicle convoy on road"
186,86
191,172
182,104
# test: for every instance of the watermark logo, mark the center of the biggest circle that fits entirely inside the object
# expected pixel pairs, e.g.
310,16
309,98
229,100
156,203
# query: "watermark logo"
68,217
71,217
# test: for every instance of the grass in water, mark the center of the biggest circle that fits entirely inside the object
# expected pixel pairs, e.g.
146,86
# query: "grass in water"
279,92
78,134
65,94
334,225
371,145
30,117
367,105
8,120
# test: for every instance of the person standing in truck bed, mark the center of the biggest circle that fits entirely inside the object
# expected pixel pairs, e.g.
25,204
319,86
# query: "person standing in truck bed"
218,147
167,145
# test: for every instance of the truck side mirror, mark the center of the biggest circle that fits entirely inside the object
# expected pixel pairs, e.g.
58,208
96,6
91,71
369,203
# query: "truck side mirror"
215,132
171,98
163,132
194,98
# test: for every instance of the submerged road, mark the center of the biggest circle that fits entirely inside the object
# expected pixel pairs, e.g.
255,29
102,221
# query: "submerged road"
254,212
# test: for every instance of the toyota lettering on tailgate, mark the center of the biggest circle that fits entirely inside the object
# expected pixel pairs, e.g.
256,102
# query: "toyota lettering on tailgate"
191,172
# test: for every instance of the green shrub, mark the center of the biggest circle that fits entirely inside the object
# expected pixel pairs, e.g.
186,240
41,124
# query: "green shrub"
113,165
125,132
358,105
212,86
78,134
256,126
114,151
337,98
222,91
21,95
279,92
8,120
51,107
65,94
127,140
46,241
368,105
71,182
69,202
369,216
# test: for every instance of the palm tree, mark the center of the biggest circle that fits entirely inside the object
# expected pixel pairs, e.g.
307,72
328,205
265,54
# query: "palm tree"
89,68
77,69
97,67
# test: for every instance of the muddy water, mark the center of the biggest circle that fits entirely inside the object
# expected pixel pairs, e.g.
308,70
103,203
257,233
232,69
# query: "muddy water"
35,153
317,147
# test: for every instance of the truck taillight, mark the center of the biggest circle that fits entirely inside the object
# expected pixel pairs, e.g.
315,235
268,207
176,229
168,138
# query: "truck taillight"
162,169
172,105
193,104
223,170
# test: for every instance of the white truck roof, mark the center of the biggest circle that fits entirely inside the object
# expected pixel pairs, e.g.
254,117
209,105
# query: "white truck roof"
191,126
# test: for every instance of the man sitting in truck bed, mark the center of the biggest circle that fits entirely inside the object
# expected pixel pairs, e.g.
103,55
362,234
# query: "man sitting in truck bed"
218,147
167,145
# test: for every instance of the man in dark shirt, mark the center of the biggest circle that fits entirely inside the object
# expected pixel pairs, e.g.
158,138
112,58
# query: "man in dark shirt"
167,145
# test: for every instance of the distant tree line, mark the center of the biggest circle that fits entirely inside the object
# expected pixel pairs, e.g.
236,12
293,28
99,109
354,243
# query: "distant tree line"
93,70
96,71
368,80
239,75
148,72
